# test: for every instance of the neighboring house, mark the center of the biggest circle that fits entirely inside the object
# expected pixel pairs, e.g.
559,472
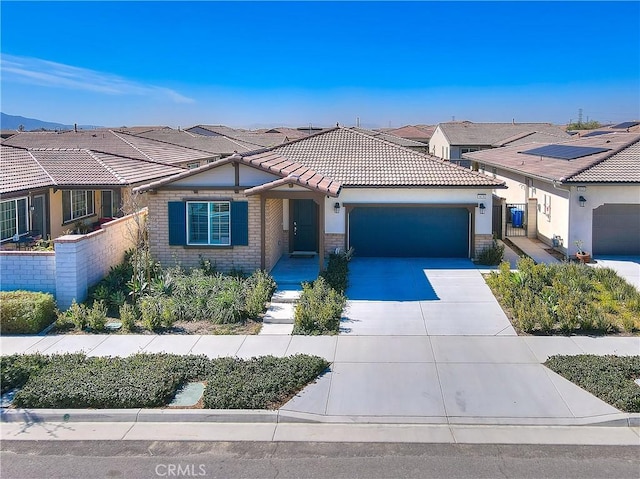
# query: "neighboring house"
584,189
291,133
384,135
337,189
55,190
111,142
452,140
624,127
259,139
421,133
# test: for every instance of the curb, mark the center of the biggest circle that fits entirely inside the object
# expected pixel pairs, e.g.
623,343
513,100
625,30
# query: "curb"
279,416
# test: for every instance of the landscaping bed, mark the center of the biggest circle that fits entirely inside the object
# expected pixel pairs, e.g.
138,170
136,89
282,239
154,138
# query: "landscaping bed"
152,380
567,298
610,378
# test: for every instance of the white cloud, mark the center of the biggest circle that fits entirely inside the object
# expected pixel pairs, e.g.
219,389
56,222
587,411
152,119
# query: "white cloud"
57,75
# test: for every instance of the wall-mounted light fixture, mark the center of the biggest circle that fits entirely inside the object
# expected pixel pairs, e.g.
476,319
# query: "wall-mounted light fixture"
336,207
582,200
482,207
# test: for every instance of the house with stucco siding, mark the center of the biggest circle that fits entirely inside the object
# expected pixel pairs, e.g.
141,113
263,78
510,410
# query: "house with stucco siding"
341,188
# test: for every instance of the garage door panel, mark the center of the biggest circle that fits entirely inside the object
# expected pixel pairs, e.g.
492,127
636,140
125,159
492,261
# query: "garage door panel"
409,231
616,229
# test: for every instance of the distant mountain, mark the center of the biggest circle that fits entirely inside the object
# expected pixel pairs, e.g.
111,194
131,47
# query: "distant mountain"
13,122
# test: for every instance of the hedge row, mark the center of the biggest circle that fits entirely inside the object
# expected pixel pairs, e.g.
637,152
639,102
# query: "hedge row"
152,380
25,312
611,378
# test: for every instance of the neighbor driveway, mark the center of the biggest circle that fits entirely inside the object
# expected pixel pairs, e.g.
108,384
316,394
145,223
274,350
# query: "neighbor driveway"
421,296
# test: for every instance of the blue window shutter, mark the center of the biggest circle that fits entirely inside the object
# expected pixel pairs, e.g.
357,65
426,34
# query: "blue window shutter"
177,223
240,223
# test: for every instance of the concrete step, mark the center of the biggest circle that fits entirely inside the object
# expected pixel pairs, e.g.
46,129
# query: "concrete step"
279,313
273,329
286,296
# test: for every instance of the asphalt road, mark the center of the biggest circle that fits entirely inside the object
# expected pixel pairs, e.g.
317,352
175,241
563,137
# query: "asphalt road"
147,459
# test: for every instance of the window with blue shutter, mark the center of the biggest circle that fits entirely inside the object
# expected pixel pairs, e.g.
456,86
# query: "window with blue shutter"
177,223
240,223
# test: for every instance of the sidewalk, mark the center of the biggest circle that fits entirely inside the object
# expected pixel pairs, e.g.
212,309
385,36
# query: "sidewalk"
436,380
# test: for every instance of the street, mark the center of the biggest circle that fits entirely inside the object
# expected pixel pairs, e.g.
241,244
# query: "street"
153,459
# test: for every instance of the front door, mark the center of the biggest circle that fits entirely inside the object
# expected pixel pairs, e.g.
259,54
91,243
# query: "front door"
38,218
304,225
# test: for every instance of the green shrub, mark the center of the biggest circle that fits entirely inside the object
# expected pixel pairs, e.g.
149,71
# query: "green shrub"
260,286
76,381
611,378
16,369
151,380
156,312
259,383
337,273
97,316
25,312
319,309
128,317
491,255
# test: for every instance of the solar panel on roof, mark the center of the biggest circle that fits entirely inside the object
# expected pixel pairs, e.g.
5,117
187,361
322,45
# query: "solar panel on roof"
564,152
597,133
626,124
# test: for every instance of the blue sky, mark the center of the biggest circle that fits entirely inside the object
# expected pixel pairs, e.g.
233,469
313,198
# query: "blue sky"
293,63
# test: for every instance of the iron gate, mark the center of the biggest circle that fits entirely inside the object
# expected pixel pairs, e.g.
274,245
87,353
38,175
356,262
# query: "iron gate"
516,219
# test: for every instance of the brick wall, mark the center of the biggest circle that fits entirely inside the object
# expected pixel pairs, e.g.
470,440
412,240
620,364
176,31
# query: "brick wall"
77,263
274,233
83,260
246,258
28,270
333,241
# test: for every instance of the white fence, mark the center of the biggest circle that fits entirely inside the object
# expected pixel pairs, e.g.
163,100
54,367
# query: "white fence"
77,263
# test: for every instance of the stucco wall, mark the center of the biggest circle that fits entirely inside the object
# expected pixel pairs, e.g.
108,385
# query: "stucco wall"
438,144
246,258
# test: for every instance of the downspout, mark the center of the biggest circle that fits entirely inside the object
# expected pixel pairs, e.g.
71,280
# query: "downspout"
555,185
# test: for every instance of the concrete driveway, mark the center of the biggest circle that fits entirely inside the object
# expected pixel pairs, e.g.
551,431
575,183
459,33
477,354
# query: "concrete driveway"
421,296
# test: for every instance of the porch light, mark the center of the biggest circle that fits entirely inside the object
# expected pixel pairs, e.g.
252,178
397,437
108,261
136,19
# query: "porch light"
336,207
482,207
582,200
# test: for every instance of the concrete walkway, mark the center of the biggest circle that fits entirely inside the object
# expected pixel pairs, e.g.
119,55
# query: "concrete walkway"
534,248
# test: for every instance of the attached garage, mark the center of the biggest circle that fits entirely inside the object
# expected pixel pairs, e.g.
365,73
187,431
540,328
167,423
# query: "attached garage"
409,231
616,229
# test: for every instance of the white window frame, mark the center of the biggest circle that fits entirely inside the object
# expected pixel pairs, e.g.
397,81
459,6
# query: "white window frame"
89,209
16,221
211,241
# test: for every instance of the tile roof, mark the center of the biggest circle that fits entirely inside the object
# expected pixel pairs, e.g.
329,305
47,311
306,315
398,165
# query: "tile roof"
529,137
385,135
412,132
253,137
356,159
38,168
620,163
20,171
218,145
469,133
290,133
289,172
109,141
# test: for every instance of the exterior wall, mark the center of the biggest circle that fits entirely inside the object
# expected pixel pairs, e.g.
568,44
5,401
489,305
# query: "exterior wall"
28,270
78,262
83,260
581,218
335,223
225,258
439,144
55,212
333,241
482,241
274,232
